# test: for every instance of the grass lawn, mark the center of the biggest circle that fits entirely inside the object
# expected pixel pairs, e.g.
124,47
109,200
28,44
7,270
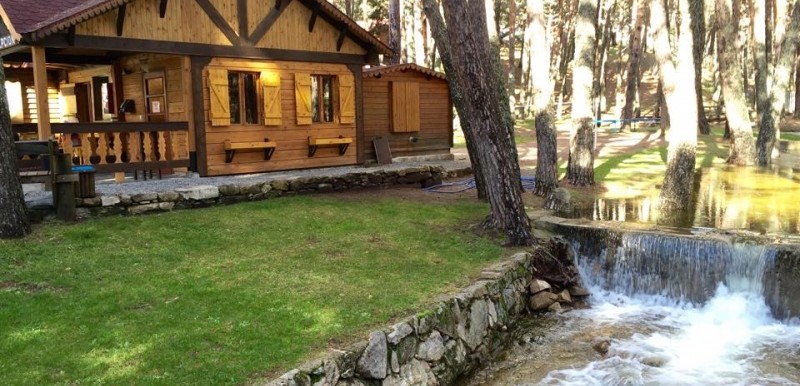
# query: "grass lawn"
227,294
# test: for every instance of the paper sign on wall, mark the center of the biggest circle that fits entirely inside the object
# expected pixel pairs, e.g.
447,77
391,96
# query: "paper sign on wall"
155,107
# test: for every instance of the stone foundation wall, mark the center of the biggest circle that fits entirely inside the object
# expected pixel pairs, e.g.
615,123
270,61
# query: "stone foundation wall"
438,345
209,195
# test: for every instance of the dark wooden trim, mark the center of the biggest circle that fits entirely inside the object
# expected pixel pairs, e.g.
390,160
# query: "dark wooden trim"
198,65
121,18
162,9
134,166
241,13
71,35
59,59
360,135
266,23
312,21
340,40
220,21
450,117
105,127
119,93
114,44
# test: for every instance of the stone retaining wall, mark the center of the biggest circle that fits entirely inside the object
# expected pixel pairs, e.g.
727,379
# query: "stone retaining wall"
209,195
436,346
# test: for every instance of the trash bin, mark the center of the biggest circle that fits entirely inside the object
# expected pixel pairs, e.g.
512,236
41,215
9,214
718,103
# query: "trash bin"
84,188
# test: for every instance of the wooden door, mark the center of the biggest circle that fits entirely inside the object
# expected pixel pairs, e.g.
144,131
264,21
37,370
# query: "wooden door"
83,102
155,94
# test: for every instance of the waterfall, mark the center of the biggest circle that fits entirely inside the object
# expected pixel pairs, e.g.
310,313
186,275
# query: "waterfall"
683,269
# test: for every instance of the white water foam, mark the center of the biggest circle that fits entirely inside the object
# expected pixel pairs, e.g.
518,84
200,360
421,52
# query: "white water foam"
729,340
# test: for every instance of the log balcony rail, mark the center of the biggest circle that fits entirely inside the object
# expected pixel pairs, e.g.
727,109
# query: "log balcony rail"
121,146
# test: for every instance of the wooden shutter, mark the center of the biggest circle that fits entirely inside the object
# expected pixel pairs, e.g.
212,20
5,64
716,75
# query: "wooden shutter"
271,81
405,107
220,101
347,106
302,94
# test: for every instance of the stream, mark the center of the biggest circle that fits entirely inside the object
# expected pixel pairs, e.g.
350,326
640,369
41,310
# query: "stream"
673,313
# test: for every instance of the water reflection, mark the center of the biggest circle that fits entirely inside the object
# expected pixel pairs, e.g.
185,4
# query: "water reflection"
755,199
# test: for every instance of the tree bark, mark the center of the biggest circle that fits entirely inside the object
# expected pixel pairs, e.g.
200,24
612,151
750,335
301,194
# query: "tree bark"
542,89
394,31
580,168
760,27
480,78
512,50
781,77
743,146
633,79
442,39
797,88
679,92
697,11
13,217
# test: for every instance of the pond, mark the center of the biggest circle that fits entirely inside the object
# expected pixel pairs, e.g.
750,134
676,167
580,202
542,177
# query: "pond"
743,198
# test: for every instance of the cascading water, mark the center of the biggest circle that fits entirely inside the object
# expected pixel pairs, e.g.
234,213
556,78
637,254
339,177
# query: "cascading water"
675,310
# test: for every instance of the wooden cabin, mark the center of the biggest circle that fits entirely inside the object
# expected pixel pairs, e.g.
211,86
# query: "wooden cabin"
411,106
214,86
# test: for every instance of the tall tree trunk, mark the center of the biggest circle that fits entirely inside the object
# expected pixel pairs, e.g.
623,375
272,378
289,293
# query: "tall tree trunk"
697,11
480,78
13,218
679,92
743,146
797,88
639,7
419,34
547,156
770,119
580,168
603,37
464,109
394,31
760,48
512,54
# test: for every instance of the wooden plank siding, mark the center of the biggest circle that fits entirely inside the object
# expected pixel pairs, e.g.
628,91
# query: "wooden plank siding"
186,22
291,139
28,94
435,117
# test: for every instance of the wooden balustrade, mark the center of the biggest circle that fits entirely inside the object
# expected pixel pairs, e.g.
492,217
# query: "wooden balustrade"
122,146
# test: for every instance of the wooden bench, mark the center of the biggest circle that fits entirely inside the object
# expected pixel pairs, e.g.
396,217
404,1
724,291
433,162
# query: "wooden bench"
231,147
342,142
57,171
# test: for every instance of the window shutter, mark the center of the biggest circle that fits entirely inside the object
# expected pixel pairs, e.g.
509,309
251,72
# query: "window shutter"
405,107
302,94
220,101
347,107
271,82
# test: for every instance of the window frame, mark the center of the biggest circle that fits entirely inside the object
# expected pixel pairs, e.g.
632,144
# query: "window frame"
242,98
320,96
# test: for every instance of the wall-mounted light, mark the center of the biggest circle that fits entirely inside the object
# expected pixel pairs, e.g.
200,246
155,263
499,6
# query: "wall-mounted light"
413,139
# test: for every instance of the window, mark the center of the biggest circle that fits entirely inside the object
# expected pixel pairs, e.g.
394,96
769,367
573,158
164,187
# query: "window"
322,98
243,97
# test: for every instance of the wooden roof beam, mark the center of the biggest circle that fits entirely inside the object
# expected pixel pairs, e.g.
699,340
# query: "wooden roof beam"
120,19
313,19
266,23
220,22
340,40
162,9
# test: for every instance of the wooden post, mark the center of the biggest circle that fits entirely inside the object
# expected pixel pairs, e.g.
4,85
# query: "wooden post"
64,192
40,84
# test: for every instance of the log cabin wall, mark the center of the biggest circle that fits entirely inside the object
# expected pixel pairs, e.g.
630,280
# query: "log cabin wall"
287,130
186,21
26,96
385,111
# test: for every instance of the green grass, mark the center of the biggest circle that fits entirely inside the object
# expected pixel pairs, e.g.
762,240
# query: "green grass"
790,136
222,295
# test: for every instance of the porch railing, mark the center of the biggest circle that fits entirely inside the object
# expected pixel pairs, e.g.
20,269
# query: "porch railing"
121,146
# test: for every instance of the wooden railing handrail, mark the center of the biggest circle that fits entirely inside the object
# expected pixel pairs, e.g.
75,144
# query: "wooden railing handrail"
104,127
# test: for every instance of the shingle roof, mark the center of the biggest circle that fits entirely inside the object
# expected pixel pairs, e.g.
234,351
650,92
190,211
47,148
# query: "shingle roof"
377,72
40,18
